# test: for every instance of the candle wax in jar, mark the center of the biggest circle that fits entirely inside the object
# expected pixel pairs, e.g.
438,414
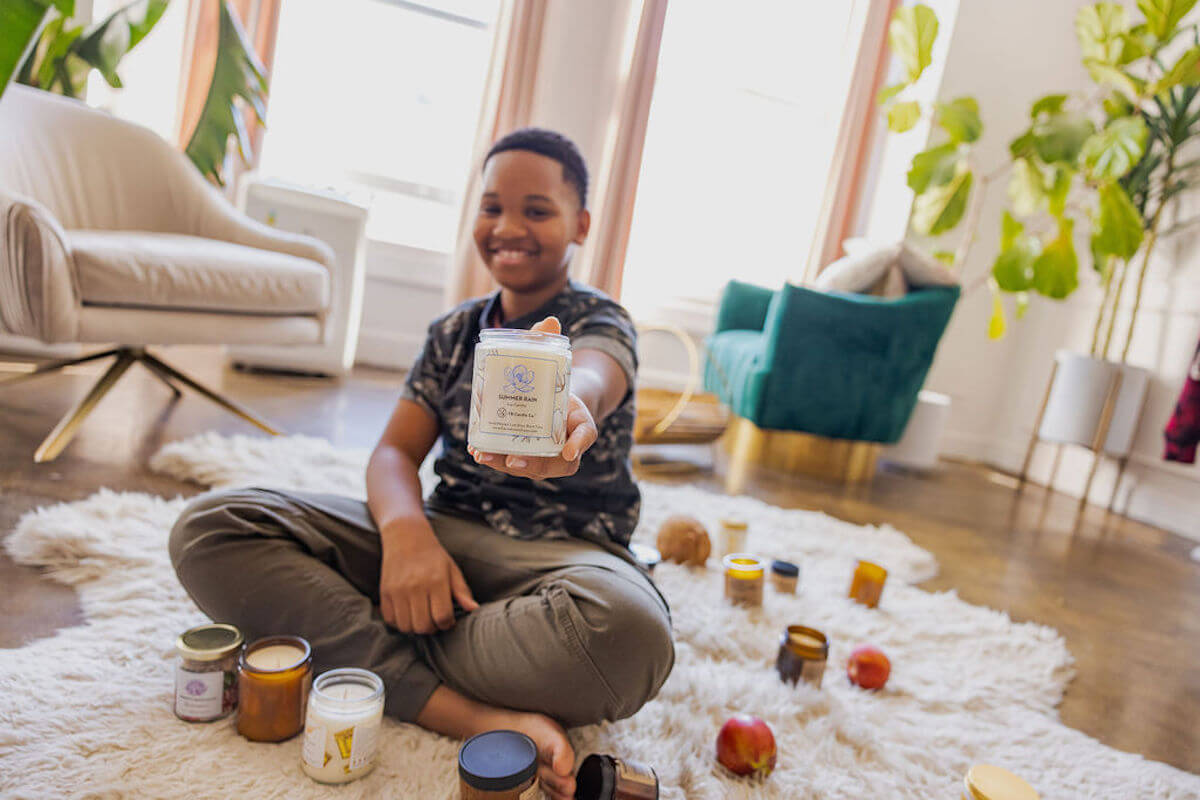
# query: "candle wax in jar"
804,640
276,656
348,691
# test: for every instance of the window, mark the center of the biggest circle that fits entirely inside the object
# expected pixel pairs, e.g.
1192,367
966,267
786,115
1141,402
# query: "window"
380,99
741,133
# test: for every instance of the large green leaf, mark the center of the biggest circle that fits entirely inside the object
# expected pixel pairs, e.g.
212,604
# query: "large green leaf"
20,23
1137,43
1059,137
1100,30
940,208
237,73
1013,267
910,35
1118,229
1112,152
1026,188
1050,104
902,116
1163,15
1107,75
936,166
1056,269
1186,70
960,119
104,44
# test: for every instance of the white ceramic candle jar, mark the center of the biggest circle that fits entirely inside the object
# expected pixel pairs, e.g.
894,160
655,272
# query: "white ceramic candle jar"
520,392
341,729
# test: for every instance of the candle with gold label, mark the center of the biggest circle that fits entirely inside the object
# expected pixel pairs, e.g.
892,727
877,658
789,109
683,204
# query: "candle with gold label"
340,734
274,678
867,585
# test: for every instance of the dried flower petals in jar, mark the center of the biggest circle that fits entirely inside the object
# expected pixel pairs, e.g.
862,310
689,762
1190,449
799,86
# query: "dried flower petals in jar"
206,676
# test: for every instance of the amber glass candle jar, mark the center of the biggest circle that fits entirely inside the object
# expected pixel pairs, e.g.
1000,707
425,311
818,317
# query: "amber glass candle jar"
985,782
803,652
867,584
744,579
498,765
274,677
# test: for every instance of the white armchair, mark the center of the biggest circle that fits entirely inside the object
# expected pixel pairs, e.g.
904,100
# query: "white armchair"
109,235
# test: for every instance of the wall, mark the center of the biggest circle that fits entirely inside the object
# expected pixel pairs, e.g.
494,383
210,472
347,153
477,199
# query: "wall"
1007,55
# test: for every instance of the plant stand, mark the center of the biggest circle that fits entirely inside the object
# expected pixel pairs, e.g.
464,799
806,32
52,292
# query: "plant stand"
1090,403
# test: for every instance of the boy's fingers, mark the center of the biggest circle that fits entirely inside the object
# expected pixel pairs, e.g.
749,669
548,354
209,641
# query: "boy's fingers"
461,591
548,325
583,437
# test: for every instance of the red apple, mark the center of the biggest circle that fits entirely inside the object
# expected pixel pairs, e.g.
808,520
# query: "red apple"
746,746
868,667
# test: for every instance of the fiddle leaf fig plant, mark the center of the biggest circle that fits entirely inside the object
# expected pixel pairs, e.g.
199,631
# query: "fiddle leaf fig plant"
1107,163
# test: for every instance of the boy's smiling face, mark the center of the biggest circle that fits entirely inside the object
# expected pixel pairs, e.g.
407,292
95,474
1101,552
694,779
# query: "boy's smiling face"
529,220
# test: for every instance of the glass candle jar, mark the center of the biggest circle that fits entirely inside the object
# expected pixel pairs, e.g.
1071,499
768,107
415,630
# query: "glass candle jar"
341,730
648,557
520,392
603,777
867,584
274,677
986,782
802,655
743,579
784,576
732,535
498,765
206,675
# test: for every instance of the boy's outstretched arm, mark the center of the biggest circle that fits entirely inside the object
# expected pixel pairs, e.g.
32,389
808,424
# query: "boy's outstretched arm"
418,580
598,385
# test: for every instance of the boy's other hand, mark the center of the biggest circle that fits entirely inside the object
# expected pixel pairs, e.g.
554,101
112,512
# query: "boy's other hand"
419,581
581,434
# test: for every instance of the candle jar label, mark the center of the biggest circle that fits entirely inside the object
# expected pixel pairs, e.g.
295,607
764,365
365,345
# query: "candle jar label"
198,695
362,745
518,396
314,745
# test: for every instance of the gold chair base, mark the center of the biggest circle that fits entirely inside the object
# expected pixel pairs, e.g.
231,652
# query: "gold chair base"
125,357
841,460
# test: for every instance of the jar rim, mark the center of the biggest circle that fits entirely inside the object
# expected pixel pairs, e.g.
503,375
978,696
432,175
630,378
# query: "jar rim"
527,336
803,648
363,677
743,562
984,781
268,641
212,641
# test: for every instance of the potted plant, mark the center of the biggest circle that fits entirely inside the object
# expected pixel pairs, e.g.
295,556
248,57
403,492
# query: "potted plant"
1109,163
41,47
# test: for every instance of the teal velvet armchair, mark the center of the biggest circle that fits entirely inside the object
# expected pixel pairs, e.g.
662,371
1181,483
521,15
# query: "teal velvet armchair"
842,366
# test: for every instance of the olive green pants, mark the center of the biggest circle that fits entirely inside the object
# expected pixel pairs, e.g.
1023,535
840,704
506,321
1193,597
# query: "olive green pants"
565,627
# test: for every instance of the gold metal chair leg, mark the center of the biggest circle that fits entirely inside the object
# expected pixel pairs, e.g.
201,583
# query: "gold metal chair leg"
154,370
158,365
62,434
54,366
1112,498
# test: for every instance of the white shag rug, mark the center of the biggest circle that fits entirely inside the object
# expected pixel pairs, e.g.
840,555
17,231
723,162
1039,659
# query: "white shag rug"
87,712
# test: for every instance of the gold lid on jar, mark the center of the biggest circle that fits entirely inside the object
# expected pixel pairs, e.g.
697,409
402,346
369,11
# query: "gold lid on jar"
734,523
210,642
744,566
987,782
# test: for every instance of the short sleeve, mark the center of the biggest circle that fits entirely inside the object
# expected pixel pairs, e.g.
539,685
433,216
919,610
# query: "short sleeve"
423,385
608,328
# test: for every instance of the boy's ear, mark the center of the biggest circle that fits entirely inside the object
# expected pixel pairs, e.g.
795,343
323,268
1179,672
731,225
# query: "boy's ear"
585,224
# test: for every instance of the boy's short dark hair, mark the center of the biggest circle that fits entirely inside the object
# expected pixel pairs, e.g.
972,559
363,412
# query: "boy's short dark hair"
552,145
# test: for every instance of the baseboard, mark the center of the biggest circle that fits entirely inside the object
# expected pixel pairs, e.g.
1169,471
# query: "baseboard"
1157,493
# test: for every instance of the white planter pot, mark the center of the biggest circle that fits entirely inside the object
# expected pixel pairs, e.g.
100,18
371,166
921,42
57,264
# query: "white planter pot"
1076,402
920,445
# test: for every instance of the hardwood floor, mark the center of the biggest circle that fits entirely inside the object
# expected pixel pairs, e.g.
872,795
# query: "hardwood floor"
1125,595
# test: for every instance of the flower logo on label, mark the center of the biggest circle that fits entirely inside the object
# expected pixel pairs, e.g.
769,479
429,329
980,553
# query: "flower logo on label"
518,378
194,688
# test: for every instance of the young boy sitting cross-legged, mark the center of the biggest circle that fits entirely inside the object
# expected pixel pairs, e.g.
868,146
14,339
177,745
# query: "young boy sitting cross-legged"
510,598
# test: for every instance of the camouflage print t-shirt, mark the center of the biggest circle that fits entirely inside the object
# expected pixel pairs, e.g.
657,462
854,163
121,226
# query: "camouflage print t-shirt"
600,501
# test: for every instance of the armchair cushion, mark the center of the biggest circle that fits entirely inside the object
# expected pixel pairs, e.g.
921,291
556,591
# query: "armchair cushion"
170,271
